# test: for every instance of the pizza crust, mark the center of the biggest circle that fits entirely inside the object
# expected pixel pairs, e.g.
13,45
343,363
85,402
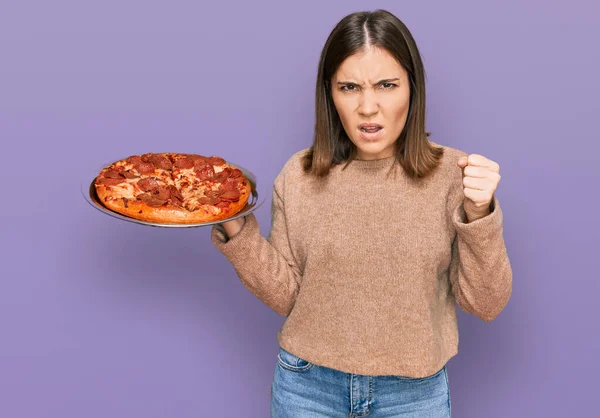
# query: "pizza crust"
169,214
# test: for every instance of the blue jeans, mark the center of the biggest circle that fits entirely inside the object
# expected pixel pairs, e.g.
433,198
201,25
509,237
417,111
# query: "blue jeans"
305,390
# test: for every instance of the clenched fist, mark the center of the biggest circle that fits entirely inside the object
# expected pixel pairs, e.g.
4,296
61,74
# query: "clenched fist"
480,180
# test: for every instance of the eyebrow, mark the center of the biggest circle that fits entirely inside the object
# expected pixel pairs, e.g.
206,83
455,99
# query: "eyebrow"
388,80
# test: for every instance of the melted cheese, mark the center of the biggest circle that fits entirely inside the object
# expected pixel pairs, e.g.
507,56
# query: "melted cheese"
127,190
165,176
192,192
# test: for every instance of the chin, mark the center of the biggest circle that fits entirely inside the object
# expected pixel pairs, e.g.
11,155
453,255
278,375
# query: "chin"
373,150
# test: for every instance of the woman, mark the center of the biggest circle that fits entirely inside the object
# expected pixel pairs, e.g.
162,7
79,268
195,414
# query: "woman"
376,234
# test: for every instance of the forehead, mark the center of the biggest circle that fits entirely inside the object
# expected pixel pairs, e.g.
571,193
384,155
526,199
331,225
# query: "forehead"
370,65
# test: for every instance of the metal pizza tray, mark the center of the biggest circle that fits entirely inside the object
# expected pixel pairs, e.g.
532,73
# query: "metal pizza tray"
88,190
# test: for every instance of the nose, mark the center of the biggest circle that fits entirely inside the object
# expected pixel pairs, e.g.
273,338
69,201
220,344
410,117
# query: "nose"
368,104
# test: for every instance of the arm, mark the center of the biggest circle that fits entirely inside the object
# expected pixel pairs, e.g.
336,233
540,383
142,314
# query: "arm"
480,271
265,266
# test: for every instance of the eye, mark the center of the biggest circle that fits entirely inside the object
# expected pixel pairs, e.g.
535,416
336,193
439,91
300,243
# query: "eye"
348,87
390,86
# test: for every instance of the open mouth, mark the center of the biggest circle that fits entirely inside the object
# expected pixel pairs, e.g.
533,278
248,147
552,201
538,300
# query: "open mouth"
370,130
370,127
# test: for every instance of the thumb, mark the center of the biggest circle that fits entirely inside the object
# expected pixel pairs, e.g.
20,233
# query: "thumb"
462,162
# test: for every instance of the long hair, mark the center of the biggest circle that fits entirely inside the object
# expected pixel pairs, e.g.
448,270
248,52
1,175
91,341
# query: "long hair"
331,146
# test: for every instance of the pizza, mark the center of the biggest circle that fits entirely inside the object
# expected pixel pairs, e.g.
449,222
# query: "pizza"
173,188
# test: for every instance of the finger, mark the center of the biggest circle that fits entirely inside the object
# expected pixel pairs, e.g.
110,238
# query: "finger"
478,160
462,161
492,165
476,183
473,171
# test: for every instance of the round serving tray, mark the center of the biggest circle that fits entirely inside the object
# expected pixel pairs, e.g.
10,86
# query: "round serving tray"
88,190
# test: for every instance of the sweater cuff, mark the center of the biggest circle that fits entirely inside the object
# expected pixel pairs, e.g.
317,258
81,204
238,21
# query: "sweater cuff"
238,244
489,224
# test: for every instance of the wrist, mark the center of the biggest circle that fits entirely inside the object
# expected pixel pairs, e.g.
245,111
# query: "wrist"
233,227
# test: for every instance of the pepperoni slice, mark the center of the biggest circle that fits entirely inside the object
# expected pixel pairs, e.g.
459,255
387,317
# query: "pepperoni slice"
134,159
231,195
208,200
110,181
147,184
146,157
219,177
155,202
175,193
145,168
111,173
229,184
162,193
236,172
198,159
176,202
204,172
212,194
186,162
214,160
150,200
160,161
128,174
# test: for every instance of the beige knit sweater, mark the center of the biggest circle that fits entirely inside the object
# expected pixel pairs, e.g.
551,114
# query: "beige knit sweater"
368,269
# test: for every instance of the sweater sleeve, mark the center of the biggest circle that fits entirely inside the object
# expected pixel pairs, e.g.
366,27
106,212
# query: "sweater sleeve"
480,271
265,266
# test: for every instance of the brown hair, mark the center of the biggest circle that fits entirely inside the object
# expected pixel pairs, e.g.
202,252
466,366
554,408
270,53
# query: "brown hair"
413,151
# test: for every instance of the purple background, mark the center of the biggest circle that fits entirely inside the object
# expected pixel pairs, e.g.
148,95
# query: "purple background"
100,317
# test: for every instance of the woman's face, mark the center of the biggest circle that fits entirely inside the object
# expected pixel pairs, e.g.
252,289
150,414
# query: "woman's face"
372,88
